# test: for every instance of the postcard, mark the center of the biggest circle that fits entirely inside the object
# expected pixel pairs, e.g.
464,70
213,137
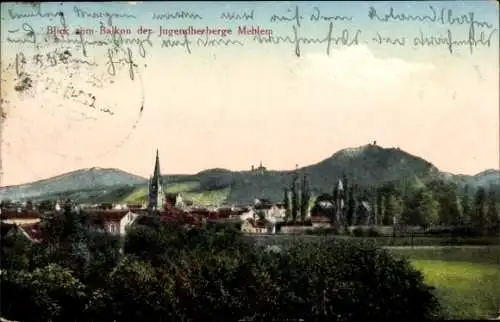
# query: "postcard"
362,119
230,85
91,93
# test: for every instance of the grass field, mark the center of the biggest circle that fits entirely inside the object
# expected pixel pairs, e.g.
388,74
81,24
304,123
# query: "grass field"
189,190
467,280
208,198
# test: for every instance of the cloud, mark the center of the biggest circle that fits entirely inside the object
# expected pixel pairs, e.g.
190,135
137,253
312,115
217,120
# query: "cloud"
358,67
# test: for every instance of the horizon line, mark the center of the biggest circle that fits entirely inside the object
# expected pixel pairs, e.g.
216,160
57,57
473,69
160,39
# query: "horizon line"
248,170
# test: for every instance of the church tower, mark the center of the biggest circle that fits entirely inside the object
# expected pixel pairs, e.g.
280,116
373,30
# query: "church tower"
156,195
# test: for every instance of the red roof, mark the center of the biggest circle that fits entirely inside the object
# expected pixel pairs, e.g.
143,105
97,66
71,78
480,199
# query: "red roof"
108,215
199,211
213,215
14,214
238,212
181,218
168,210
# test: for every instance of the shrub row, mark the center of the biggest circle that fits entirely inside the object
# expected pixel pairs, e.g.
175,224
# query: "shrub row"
170,274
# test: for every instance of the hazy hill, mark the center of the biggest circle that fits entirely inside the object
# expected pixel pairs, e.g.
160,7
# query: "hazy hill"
482,179
366,165
370,165
79,180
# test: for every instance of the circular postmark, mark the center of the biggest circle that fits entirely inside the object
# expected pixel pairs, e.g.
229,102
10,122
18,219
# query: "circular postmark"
69,101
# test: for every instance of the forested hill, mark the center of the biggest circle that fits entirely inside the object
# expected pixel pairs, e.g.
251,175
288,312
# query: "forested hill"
367,166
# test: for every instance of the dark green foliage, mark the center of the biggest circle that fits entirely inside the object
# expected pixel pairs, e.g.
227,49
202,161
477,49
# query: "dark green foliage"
295,199
479,213
445,193
421,208
215,179
47,293
351,207
305,197
359,282
492,216
170,273
60,278
328,211
416,240
365,232
323,231
380,207
218,282
65,239
466,206
287,202
16,251
104,254
137,291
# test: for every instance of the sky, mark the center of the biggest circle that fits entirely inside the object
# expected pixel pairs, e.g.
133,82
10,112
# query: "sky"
205,104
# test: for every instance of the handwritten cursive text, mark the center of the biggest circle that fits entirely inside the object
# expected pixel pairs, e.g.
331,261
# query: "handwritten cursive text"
345,39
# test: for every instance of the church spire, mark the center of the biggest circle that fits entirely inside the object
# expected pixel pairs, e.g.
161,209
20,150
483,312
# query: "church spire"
157,173
156,195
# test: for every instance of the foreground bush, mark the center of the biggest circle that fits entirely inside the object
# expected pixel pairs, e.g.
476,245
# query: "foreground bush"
48,293
355,280
365,232
221,278
171,274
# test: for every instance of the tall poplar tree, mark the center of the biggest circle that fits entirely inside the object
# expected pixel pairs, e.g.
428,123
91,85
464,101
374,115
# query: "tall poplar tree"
305,198
465,217
351,207
492,219
286,202
374,207
295,199
380,207
427,207
478,218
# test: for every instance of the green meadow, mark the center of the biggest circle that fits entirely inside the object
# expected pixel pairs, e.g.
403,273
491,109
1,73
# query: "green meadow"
467,280
189,189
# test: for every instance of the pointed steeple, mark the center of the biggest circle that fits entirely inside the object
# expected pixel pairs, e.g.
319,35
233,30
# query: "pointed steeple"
156,172
156,196
340,185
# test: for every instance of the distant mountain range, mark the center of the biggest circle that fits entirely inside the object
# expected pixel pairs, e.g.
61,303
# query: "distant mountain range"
366,165
83,179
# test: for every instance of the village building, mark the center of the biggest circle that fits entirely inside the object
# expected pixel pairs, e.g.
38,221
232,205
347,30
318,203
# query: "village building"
19,216
25,222
113,221
253,226
259,170
31,232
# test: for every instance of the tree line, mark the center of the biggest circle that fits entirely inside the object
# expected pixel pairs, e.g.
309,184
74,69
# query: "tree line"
436,203
166,272
296,199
